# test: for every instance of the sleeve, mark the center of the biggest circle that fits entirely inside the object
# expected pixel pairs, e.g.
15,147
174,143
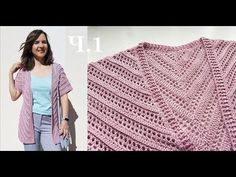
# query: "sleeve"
65,86
19,81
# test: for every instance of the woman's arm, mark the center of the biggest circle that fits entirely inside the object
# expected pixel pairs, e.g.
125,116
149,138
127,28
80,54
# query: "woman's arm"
65,111
15,94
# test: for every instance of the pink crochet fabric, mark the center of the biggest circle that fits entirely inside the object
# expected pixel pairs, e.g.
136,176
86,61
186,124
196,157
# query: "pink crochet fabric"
156,97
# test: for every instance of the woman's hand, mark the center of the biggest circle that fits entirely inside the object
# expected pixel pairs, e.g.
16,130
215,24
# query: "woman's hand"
15,67
64,128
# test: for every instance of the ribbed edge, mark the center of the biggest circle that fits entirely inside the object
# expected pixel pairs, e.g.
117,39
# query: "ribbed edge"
185,143
26,129
55,122
150,46
221,92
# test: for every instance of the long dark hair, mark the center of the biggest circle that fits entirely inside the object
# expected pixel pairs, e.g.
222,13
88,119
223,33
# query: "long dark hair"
27,60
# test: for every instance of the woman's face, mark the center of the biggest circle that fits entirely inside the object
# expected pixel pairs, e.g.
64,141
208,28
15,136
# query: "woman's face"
40,47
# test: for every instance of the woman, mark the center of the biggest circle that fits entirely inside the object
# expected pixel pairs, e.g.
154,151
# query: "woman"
37,81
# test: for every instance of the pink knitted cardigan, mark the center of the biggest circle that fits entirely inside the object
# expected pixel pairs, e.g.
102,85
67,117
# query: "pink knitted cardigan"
22,82
156,97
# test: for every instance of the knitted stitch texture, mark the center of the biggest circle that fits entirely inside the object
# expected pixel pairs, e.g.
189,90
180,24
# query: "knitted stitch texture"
156,97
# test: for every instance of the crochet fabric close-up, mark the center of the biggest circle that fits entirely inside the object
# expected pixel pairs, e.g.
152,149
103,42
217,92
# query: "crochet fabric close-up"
168,98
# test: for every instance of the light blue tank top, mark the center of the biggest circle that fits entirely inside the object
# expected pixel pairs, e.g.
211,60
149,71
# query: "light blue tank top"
41,90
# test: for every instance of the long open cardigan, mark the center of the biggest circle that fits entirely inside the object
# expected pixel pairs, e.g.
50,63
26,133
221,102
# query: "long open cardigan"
23,84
